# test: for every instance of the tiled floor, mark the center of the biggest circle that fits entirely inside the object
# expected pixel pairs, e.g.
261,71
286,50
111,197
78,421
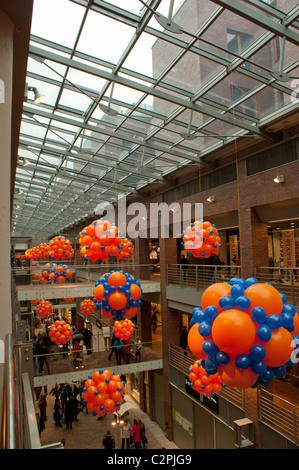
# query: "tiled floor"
88,431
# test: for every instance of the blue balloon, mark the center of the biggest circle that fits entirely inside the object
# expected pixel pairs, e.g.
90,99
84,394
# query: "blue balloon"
243,361
236,290
222,358
226,302
288,308
210,347
250,281
283,298
257,353
258,315
287,320
205,329
210,363
279,371
198,315
235,280
274,321
258,368
210,313
242,303
268,375
263,332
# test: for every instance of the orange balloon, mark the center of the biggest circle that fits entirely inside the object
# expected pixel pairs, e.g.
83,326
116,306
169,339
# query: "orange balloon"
117,279
117,300
233,377
265,296
295,332
233,332
131,312
99,292
135,291
279,348
195,341
213,293
102,387
109,405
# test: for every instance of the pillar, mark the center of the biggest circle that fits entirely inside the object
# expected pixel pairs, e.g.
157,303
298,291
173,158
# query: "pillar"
170,323
6,77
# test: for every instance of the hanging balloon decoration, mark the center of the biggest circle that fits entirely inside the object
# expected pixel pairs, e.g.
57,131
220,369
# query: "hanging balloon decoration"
37,252
44,309
201,239
69,299
245,331
87,307
60,332
58,274
204,383
101,241
60,247
123,329
35,301
119,294
103,393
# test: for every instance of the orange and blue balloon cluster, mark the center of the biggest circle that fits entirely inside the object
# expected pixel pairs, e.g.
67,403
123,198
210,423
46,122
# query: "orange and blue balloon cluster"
123,329
201,239
60,247
44,309
58,274
87,307
119,295
60,332
203,382
103,393
102,240
245,331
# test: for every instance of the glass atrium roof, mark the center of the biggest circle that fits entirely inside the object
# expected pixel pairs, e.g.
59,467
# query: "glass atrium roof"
135,90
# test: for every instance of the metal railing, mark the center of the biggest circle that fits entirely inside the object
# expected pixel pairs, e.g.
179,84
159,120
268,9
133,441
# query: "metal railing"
285,280
182,360
278,414
198,275
92,272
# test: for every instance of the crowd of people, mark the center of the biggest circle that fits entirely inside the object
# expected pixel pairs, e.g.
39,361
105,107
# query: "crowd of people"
123,350
131,436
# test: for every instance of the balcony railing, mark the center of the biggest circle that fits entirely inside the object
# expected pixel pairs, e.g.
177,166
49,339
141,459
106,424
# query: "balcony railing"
279,414
199,276
285,280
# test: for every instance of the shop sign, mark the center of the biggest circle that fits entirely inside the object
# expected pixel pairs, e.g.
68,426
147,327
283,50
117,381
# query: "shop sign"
182,421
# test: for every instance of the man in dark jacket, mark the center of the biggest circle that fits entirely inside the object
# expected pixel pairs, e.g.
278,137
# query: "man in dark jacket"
108,441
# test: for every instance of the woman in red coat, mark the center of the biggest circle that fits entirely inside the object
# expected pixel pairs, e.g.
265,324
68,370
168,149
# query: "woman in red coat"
136,434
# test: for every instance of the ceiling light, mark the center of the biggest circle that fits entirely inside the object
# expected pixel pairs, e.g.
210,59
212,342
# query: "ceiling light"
38,97
17,207
23,161
279,179
20,192
211,199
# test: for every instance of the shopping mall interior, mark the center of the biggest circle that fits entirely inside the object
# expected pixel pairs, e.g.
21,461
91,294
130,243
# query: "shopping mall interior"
149,187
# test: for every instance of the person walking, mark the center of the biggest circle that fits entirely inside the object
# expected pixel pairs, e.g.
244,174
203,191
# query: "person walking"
128,350
112,347
87,335
154,321
142,433
118,350
136,434
108,441
138,351
125,433
42,404
68,414
57,415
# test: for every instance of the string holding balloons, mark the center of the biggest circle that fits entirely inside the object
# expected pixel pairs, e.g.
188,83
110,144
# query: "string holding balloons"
201,239
103,393
118,295
245,331
102,240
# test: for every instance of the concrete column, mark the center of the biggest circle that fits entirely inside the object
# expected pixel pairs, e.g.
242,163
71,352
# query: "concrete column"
144,321
6,65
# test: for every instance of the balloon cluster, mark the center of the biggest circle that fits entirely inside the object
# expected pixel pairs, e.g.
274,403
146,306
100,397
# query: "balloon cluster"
60,248
69,299
57,274
60,332
201,239
37,252
204,383
44,309
101,240
87,307
119,294
103,392
245,331
35,301
123,329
